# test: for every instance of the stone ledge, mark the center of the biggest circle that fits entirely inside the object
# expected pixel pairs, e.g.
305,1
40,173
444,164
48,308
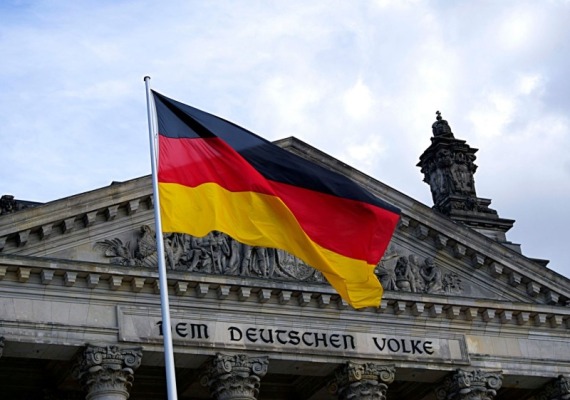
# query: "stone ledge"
46,274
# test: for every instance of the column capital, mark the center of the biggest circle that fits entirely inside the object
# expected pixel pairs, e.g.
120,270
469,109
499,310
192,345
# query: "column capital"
362,381
470,385
558,389
107,372
235,377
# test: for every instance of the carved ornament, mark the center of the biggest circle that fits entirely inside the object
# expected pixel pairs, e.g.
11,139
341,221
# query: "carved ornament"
362,381
559,389
470,385
107,370
235,377
219,254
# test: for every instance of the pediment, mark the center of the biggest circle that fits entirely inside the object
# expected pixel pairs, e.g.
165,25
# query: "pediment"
429,254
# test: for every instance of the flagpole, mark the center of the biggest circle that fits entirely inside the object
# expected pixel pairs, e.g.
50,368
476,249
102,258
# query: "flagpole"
163,283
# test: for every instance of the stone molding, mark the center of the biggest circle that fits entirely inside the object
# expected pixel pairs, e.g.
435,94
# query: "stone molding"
219,254
107,372
401,304
558,389
470,385
509,269
360,381
235,377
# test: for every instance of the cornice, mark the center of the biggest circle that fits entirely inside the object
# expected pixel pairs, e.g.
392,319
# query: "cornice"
18,272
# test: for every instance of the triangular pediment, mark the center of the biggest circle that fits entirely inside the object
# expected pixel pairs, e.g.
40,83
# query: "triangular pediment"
430,255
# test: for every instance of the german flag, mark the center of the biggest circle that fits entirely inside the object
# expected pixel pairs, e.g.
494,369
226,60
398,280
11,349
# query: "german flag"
215,175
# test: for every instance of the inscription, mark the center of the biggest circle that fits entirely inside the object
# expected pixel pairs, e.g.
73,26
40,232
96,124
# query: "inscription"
135,325
405,346
293,337
185,329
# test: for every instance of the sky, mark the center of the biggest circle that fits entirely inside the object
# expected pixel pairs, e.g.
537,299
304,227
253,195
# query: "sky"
359,80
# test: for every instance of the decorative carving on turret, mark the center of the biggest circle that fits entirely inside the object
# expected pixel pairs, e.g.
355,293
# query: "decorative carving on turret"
235,377
107,371
558,389
470,385
362,381
448,166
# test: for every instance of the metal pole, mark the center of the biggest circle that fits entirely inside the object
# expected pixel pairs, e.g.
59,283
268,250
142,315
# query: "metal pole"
163,283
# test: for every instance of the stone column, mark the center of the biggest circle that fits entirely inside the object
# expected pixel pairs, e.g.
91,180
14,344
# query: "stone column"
107,372
367,381
559,389
470,385
235,377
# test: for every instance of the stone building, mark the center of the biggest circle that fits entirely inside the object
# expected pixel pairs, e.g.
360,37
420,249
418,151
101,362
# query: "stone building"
465,315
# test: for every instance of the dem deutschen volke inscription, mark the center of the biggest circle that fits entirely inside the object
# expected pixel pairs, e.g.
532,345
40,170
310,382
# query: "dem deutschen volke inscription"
145,327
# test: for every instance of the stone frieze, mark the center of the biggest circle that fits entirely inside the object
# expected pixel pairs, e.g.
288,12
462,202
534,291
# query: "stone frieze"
219,254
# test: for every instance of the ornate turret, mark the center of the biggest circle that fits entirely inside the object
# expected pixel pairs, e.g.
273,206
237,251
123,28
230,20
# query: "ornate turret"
448,165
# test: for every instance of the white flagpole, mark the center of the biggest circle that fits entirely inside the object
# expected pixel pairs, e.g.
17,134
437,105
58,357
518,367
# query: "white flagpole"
163,283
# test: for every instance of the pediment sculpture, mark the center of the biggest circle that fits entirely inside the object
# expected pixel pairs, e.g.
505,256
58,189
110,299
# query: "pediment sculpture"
219,254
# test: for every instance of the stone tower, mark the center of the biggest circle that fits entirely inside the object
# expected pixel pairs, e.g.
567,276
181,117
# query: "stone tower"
448,165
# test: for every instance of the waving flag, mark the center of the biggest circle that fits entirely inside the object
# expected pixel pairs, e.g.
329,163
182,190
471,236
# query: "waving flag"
215,175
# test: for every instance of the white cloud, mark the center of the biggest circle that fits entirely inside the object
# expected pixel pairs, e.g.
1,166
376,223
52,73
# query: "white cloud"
358,100
531,83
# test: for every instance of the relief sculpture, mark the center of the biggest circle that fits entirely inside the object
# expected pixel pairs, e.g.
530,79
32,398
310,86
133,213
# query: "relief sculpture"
215,253
219,254
406,273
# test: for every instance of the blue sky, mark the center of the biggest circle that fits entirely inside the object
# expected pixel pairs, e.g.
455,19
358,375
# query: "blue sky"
360,80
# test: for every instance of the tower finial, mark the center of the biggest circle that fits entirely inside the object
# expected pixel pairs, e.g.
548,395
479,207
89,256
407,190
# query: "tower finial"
441,128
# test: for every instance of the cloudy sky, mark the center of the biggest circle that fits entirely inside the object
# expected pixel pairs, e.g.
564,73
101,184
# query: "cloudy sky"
360,80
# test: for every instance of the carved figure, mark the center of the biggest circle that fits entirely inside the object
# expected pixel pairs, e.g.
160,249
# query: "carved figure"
405,279
431,275
174,249
146,243
415,270
120,253
219,250
257,261
233,265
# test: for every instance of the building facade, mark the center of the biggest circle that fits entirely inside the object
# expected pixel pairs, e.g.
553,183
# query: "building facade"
464,315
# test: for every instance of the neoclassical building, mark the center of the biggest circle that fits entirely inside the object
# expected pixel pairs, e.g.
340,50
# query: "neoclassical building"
464,316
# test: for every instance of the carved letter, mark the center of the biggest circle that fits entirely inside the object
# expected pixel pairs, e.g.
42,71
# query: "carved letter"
269,339
294,338
380,347
233,330
335,340
346,339
323,339
278,333
181,329
198,329
393,345
415,346
305,340
251,335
